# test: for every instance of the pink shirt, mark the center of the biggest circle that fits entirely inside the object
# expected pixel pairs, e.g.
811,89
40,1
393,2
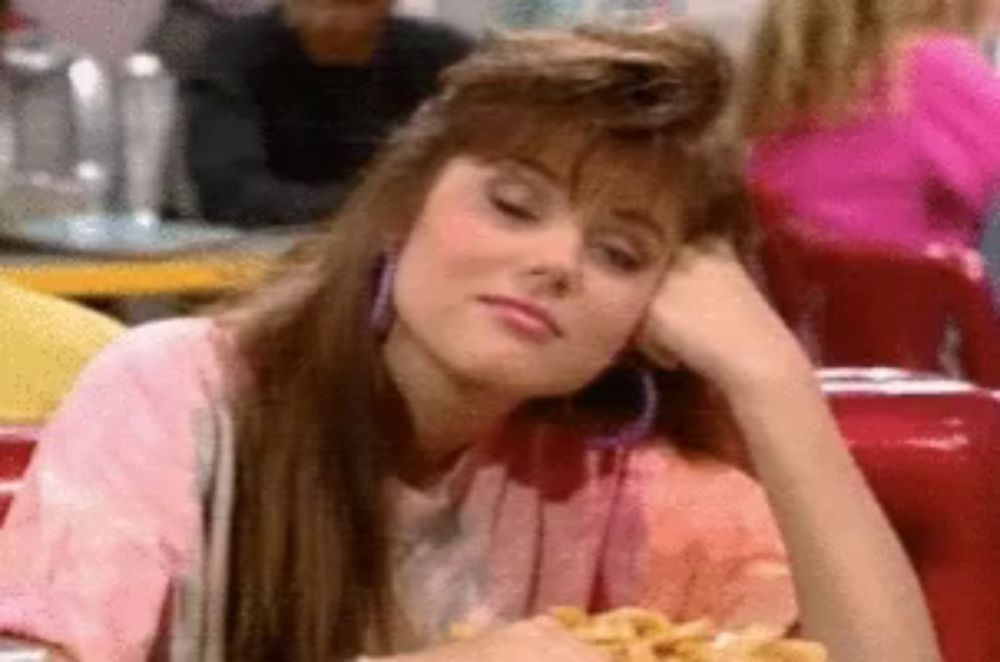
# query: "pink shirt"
108,515
925,171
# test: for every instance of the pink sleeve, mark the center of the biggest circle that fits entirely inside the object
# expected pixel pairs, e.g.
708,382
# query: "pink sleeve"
956,106
714,548
104,516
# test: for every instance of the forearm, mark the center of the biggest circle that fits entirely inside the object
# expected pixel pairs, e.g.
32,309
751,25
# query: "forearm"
857,591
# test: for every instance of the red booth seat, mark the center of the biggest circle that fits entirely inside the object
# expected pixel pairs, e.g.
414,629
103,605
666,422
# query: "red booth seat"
929,447
863,304
16,445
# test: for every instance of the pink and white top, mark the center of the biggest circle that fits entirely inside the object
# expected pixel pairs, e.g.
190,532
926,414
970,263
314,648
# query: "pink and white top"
109,518
919,169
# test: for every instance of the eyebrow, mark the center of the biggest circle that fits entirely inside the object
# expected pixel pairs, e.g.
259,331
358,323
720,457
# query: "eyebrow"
632,217
532,167
640,219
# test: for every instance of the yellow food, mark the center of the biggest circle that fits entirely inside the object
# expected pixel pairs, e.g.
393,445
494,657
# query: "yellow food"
639,635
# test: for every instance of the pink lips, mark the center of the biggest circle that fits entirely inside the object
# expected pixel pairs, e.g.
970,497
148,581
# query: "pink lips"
524,317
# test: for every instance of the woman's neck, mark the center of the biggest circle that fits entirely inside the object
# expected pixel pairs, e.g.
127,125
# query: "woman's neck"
448,414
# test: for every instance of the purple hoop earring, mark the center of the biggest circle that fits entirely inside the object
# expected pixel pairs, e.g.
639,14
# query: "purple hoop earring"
381,315
640,428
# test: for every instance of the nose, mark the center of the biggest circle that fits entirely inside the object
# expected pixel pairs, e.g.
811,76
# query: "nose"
554,266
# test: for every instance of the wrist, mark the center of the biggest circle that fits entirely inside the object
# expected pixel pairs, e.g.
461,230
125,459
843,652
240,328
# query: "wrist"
770,376
786,417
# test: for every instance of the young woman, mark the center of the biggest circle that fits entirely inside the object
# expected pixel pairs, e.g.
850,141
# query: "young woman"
499,385
877,120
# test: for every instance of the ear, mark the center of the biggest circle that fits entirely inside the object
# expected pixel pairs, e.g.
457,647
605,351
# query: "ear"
382,314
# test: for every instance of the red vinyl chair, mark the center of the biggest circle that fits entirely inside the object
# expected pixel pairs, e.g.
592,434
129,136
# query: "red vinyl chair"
869,305
16,446
930,448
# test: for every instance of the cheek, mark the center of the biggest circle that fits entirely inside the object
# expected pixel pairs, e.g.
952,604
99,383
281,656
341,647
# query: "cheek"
613,314
615,326
618,308
459,244
446,261
603,327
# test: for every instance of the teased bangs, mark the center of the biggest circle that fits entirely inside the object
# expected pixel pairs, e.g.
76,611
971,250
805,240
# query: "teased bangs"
599,168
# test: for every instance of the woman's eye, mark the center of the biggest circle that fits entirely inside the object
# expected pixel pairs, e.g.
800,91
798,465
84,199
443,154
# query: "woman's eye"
512,208
515,198
619,256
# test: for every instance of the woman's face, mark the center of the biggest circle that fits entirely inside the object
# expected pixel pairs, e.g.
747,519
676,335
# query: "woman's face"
506,284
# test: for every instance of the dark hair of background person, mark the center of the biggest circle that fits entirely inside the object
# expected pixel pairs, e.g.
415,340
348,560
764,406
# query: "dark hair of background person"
317,421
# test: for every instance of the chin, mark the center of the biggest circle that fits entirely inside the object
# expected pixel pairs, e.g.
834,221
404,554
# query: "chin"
323,50
523,377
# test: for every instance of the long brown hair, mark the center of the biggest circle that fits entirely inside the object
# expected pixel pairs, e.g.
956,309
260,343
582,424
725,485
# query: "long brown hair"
315,418
816,59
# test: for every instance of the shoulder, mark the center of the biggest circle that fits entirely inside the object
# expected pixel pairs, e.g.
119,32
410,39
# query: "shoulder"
169,339
149,394
944,48
169,356
245,40
253,26
410,35
956,106
948,60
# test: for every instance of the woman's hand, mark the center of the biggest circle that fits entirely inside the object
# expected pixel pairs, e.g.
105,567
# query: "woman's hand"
541,639
710,316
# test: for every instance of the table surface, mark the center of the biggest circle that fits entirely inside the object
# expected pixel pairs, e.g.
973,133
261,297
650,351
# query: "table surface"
232,266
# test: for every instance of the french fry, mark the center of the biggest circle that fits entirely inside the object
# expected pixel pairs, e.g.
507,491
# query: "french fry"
638,635
461,632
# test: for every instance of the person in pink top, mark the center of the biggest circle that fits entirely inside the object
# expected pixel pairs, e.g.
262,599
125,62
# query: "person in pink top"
877,120
502,383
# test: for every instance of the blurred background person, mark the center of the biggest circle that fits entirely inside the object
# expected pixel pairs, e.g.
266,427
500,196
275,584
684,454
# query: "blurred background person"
290,104
877,120
186,26
179,40
730,22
